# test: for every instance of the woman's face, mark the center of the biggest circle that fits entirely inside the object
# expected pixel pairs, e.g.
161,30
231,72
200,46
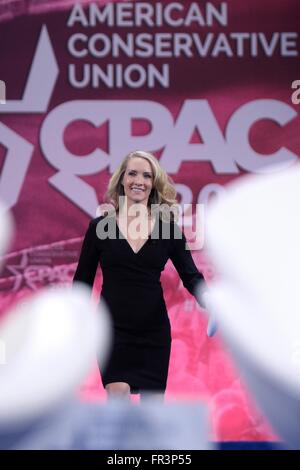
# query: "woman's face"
137,181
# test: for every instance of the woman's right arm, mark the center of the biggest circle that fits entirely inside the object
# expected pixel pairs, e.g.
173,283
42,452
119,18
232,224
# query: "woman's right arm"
89,257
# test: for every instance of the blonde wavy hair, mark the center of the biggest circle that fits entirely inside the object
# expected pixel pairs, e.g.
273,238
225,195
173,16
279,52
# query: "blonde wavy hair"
163,192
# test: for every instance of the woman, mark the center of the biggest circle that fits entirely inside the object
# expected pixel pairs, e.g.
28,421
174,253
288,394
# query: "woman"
133,244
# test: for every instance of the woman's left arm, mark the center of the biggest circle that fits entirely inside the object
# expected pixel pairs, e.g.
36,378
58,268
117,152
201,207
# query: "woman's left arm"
183,261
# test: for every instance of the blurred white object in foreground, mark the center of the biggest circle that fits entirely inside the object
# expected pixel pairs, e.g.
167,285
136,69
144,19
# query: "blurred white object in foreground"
50,340
253,239
6,229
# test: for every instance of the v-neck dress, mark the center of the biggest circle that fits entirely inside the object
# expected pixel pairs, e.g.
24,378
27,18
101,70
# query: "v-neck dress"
132,291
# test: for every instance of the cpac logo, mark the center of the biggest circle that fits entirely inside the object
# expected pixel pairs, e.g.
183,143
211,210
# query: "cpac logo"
296,94
227,154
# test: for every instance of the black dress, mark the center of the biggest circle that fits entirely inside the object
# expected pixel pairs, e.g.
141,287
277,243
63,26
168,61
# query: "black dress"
133,294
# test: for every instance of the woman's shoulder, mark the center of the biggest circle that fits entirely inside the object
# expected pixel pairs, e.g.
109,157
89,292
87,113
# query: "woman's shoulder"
94,222
170,228
103,217
104,226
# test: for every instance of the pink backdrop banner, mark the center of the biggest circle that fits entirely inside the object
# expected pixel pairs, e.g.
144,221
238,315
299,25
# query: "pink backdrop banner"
206,86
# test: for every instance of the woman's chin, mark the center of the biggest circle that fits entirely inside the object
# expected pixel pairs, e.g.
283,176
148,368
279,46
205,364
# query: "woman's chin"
137,199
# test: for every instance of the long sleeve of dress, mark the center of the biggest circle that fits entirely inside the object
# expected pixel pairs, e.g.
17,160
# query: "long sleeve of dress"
89,257
182,259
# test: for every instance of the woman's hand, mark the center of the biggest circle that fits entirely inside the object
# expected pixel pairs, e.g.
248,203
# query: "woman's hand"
212,325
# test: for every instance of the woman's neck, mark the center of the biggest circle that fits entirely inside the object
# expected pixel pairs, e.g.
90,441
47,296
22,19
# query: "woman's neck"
139,210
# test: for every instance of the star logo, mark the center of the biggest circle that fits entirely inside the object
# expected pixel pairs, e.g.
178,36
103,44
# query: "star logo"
35,99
